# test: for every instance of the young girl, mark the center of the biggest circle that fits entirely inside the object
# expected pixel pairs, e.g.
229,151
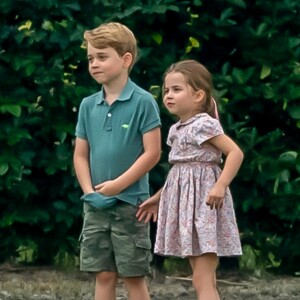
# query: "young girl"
196,217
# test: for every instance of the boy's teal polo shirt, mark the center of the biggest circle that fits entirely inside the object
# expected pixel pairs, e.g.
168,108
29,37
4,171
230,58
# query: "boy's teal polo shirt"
115,133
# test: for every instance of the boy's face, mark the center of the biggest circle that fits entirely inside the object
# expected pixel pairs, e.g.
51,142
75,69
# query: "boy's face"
105,65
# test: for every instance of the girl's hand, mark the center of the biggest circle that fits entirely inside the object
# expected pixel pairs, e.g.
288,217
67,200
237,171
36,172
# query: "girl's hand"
148,210
108,188
215,198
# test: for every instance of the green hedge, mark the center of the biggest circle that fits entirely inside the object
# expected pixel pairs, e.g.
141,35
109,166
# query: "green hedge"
252,49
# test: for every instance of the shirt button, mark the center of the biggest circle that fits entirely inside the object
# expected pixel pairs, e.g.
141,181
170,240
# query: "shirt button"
109,115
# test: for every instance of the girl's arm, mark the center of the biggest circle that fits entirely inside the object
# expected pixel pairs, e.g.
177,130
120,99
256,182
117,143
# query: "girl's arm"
234,158
150,157
149,209
81,165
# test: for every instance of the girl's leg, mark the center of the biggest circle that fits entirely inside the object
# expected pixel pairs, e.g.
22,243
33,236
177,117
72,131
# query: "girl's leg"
137,288
105,288
204,276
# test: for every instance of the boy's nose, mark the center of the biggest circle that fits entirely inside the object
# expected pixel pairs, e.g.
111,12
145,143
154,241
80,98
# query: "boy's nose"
94,63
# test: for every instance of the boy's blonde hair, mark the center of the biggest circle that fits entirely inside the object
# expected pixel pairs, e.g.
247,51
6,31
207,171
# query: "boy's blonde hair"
114,35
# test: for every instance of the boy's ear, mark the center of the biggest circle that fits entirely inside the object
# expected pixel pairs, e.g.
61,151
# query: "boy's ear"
127,57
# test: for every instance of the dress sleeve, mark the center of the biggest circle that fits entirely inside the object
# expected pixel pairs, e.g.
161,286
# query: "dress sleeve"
207,128
170,137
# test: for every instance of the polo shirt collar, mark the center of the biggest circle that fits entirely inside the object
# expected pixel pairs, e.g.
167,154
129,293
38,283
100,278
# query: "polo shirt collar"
125,94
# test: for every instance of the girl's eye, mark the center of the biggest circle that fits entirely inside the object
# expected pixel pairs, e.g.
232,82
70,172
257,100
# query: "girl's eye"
101,57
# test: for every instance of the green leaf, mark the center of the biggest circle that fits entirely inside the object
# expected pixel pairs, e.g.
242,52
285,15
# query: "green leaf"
265,72
247,74
26,26
261,29
268,91
3,168
12,109
274,263
193,43
60,205
239,3
227,13
294,93
16,135
284,176
288,157
238,75
294,42
157,37
197,2
297,163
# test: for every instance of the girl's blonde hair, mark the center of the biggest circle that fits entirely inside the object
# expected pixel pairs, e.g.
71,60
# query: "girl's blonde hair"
114,35
199,78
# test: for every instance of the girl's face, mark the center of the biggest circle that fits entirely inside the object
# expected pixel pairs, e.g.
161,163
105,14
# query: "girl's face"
179,98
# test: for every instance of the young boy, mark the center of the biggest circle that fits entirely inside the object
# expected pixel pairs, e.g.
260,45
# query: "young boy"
117,143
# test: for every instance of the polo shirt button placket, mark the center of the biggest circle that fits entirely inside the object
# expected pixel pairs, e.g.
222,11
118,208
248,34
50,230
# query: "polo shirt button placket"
108,122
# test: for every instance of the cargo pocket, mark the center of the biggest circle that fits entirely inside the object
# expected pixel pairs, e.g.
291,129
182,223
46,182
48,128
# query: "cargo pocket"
143,251
143,243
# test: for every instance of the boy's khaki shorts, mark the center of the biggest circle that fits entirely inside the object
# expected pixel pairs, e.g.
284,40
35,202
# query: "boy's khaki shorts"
113,240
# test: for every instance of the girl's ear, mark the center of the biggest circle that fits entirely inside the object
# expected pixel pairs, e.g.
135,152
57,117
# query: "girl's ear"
127,57
200,96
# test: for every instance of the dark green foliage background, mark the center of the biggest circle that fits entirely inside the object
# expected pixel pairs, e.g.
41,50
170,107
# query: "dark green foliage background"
252,49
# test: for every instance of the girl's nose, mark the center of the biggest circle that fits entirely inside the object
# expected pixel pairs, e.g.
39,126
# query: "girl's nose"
168,94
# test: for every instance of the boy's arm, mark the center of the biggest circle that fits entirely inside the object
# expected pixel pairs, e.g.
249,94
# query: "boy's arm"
81,165
150,157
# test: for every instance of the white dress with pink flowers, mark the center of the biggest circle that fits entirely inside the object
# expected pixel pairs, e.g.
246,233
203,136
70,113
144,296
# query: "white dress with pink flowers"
186,225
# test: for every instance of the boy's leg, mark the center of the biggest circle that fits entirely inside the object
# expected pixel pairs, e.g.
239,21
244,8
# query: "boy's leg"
105,287
137,288
204,276
96,253
132,248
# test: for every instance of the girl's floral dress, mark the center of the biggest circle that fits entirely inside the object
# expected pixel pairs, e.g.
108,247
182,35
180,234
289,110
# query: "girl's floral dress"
186,225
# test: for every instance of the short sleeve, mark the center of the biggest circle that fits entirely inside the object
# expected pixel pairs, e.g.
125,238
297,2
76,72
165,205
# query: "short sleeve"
207,128
150,117
80,130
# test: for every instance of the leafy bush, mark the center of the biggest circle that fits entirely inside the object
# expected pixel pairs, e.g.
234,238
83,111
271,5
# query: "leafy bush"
251,48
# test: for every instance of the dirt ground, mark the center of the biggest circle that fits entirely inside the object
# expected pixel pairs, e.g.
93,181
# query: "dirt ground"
50,284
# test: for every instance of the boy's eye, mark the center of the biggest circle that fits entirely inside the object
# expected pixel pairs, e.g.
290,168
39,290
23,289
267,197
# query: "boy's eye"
91,59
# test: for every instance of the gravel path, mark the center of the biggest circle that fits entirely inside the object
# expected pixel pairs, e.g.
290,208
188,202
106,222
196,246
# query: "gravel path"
49,284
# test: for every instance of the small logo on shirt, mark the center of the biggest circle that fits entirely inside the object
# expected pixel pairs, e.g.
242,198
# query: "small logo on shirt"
125,126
